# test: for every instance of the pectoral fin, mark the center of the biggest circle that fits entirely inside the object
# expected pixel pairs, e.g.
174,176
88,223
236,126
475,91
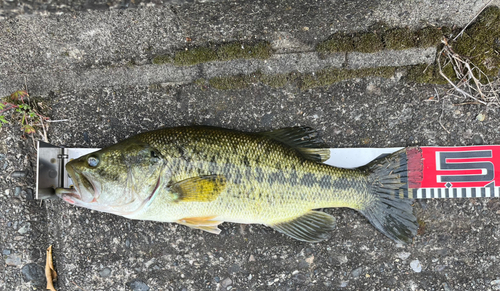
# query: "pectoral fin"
206,223
314,226
199,189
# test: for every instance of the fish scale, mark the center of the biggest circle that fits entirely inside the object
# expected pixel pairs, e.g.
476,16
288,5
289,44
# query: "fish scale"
203,176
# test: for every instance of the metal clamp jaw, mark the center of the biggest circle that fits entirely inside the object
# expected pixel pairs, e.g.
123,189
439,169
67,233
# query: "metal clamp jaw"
51,168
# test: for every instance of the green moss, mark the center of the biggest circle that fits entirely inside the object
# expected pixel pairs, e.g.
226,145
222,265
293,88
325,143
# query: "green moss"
231,51
424,74
278,80
399,39
339,42
448,71
232,82
446,31
327,77
429,74
368,42
238,50
201,83
195,56
225,52
162,59
380,38
481,42
243,81
429,36
307,81
261,50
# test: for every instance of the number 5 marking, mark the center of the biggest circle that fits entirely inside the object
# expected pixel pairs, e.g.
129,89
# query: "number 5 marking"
487,168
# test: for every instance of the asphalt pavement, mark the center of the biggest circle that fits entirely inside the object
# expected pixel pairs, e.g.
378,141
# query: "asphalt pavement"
106,71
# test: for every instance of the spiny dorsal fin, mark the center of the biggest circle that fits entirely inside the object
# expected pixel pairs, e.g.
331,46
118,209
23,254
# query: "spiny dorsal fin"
314,226
205,223
199,189
304,139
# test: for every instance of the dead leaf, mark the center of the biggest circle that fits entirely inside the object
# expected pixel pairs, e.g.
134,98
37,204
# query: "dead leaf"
50,273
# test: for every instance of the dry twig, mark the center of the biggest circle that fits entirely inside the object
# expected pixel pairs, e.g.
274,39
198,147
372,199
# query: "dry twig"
469,77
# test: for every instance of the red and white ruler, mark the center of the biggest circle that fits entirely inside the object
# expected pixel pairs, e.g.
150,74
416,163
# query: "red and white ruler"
437,172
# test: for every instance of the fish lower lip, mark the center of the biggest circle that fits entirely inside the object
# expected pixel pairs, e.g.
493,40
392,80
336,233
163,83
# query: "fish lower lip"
68,192
71,197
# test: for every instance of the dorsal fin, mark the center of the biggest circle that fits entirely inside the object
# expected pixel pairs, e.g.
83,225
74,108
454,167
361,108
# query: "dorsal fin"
304,139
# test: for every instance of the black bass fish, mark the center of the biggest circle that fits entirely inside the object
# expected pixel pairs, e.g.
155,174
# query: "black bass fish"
203,176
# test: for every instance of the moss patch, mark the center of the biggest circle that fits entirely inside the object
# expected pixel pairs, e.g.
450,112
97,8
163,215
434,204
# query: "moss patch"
278,80
223,52
339,42
305,81
399,39
481,42
428,37
234,82
160,60
239,50
428,74
327,77
195,56
379,38
201,83
368,42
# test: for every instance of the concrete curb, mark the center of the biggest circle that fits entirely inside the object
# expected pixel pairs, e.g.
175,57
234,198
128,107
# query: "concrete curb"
143,75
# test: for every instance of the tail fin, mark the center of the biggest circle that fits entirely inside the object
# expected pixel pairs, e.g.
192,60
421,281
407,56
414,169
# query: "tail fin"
390,211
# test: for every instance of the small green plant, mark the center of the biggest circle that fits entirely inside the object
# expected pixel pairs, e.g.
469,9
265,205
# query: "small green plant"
2,118
27,113
24,110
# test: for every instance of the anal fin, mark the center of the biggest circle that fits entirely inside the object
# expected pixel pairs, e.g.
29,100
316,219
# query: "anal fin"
205,223
314,226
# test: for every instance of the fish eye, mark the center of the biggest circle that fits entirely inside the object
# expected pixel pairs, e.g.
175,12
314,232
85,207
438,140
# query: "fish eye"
93,161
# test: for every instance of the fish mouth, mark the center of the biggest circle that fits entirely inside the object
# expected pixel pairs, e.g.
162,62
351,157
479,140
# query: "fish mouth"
69,195
83,188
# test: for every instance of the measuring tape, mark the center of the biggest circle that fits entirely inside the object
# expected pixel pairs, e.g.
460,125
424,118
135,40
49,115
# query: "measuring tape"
436,172
453,172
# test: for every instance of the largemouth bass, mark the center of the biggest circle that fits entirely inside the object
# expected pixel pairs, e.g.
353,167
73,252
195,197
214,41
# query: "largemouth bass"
203,176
